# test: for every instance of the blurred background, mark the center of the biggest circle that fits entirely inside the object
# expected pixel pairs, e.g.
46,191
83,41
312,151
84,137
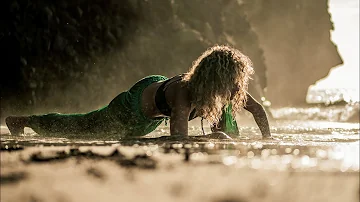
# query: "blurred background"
75,56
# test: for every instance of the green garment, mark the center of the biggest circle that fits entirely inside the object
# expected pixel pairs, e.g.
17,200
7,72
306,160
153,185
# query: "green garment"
123,116
230,126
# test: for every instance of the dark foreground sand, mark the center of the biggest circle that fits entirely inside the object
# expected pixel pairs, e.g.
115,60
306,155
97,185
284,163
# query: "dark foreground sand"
253,171
160,177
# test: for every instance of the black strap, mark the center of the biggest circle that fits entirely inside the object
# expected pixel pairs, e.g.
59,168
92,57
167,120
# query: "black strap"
160,99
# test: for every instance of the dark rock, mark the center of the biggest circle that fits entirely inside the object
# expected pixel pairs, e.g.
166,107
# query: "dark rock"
295,37
115,43
60,43
48,12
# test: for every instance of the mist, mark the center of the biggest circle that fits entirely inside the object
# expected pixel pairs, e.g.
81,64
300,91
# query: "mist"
75,56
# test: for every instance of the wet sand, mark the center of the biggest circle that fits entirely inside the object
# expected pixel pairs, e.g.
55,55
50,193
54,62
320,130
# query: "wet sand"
307,161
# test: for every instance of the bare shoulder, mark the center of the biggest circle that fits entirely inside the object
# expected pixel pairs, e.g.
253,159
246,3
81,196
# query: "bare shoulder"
178,94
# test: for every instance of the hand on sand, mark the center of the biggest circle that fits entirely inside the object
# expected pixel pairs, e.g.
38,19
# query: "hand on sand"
218,135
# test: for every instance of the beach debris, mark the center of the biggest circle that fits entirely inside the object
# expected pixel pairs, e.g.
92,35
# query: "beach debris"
12,177
142,160
92,171
48,156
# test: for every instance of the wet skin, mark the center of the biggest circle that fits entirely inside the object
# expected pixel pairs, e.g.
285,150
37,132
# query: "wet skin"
178,98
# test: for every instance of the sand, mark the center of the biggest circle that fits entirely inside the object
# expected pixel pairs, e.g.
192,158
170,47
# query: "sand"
214,170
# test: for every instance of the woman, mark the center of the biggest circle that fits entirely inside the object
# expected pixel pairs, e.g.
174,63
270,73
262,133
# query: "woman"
214,88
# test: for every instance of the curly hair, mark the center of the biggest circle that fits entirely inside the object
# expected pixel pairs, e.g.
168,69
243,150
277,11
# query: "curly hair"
220,76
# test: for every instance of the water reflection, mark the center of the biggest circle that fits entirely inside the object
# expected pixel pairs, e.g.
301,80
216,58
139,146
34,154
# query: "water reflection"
297,146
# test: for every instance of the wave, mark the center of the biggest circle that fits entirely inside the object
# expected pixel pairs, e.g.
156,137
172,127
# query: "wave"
341,113
332,104
332,95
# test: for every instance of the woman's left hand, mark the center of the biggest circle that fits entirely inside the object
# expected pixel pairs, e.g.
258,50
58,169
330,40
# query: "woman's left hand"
218,135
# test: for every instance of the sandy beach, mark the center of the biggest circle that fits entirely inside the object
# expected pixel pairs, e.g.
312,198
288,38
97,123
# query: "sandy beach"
34,168
77,56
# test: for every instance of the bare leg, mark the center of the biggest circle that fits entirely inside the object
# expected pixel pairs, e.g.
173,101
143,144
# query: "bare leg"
16,124
56,123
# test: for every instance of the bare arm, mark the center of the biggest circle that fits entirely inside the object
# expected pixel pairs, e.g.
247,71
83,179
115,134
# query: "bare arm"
179,121
180,112
259,114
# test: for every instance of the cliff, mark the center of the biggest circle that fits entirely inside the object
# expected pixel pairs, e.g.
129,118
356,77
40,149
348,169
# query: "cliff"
298,51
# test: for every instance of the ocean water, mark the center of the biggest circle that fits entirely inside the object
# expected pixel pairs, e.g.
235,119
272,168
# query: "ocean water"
318,137
328,96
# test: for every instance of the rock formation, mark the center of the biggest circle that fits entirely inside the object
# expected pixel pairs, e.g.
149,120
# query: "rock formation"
298,51
75,56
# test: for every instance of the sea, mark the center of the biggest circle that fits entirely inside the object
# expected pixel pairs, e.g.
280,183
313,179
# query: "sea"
323,136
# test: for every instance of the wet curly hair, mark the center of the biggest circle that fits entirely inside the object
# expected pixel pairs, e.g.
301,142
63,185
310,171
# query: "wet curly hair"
220,76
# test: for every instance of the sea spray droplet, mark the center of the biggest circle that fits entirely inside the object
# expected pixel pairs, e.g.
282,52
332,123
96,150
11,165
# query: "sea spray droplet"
250,154
265,153
273,151
305,160
320,153
256,163
210,145
229,160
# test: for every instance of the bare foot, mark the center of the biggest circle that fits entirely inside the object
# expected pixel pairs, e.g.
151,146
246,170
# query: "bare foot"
16,124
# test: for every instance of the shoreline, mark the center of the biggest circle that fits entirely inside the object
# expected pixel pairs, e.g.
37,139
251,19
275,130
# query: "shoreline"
309,161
